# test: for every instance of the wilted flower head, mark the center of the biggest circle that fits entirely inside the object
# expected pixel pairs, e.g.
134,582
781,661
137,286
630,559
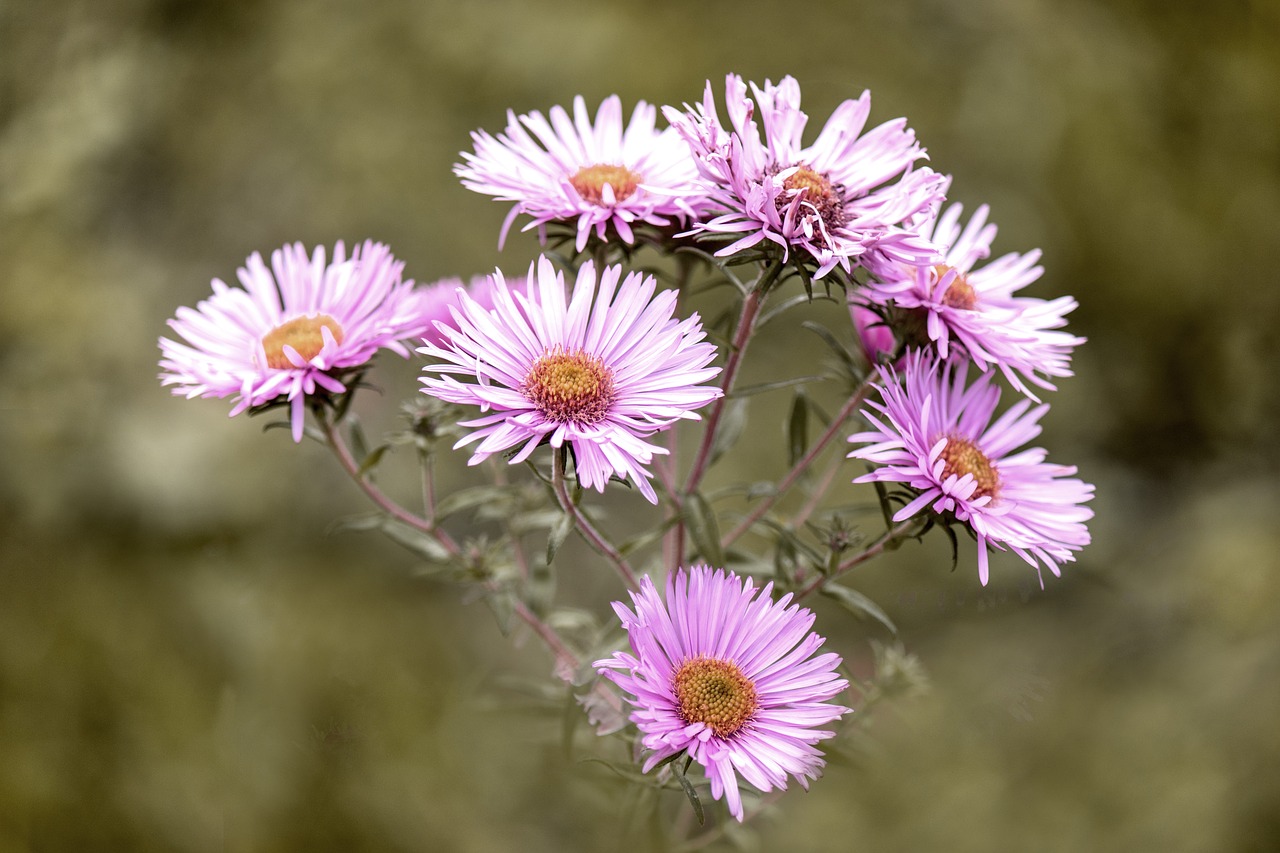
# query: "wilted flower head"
599,175
833,198
933,433
728,674
601,368
976,308
294,329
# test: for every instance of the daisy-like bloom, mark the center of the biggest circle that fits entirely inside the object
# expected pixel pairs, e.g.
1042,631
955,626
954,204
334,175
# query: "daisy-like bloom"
601,369
727,673
833,199
294,330
976,308
558,169
933,433
437,299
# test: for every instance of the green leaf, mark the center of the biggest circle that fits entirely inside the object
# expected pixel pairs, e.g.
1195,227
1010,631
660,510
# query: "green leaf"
847,360
418,541
732,424
858,604
359,447
372,459
646,538
541,588
786,305
798,428
703,529
502,602
469,498
689,791
558,534
772,386
675,756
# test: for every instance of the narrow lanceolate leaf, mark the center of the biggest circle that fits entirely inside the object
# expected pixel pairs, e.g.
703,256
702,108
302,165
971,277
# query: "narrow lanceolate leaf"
418,541
858,604
760,388
847,360
469,498
359,447
703,529
732,424
689,792
541,589
798,429
558,534
785,305
372,459
503,604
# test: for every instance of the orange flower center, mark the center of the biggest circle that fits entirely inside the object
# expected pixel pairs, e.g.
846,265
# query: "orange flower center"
301,333
960,294
961,456
570,387
716,693
591,180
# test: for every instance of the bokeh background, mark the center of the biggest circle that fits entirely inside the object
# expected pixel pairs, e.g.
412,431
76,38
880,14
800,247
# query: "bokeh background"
192,659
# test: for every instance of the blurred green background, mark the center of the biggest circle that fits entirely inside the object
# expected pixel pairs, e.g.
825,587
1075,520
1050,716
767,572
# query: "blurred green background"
190,658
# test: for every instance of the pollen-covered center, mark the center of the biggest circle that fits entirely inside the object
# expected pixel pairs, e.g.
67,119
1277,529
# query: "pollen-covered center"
818,194
570,387
301,333
961,456
590,182
960,294
714,692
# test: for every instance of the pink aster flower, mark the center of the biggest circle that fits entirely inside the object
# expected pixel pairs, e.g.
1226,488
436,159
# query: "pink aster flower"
561,169
601,369
933,433
976,308
834,199
294,330
728,674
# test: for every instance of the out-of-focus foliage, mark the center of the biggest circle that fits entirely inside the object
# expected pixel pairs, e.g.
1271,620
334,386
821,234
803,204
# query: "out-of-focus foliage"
190,659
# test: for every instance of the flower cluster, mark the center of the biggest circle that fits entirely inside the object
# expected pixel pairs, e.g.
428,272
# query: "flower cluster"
586,362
